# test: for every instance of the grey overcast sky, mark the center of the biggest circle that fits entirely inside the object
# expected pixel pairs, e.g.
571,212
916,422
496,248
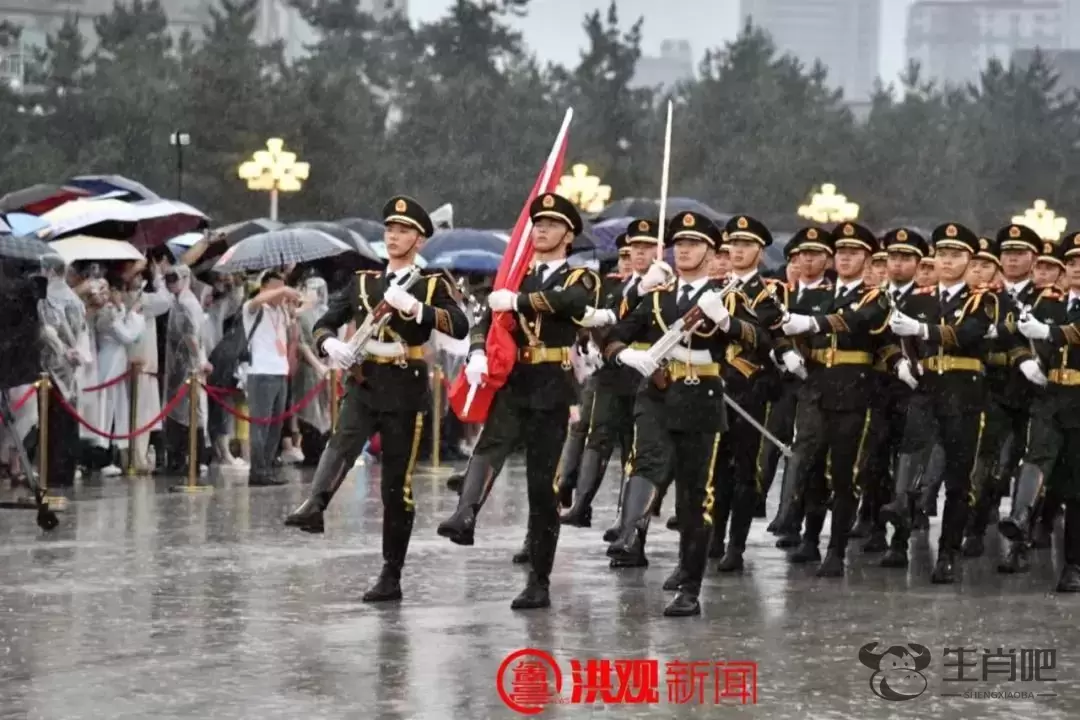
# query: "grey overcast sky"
553,27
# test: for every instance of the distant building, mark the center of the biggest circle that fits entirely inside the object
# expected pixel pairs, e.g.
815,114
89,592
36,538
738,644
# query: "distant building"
842,34
953,41
674,64
1066,63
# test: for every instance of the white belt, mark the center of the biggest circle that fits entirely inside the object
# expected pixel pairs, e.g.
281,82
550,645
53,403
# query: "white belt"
384,349
691,357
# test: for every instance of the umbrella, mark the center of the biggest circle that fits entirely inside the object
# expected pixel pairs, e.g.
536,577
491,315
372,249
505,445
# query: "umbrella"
114,186
145,223
481,262
40,198
84,247
606,231
650,208
346,235
18,223
446,241
280,247
372,230
23,248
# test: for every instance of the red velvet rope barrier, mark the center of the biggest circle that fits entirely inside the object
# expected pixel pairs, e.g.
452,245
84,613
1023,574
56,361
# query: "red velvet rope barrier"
30,392
109,383
180,394
218,394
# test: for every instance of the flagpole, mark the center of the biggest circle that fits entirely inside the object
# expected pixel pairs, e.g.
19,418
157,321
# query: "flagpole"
664,185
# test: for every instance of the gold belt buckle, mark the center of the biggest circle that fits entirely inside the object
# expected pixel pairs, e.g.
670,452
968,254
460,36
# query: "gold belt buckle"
566,364
527,353
691,379
402,361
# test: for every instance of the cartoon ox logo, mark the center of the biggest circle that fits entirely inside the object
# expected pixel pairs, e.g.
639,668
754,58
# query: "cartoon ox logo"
897,671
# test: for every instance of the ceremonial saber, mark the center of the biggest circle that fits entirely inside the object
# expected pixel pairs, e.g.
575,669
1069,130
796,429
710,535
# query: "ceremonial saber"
545,180
664,185
785,450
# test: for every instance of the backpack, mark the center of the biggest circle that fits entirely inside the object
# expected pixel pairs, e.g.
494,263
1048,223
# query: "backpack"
231,353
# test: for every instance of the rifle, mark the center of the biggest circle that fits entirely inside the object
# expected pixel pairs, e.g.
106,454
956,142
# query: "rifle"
373,324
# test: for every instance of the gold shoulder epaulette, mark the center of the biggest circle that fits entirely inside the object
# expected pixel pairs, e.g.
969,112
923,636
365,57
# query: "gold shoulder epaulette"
1052,293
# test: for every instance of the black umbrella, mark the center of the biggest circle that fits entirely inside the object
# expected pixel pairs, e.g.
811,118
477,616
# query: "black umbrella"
372,230
280,247
348,236
233,234
650,208
16,247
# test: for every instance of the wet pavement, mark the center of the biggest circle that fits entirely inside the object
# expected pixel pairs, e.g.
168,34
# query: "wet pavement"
146,604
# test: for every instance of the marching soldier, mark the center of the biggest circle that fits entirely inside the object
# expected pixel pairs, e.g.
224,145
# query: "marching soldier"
1054,441
812,295
948,324
753,382
534,405
926,275
834,411
388,393
1011,368
612,412
680,414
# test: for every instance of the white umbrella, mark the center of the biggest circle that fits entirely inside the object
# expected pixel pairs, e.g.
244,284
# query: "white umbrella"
87,212
84,247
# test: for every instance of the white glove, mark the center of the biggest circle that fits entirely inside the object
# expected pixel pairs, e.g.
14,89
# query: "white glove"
1033,372
711,303
905,326
476,368
598,318
1032,329
339,353
401,299
991,333
593,358
799,325
904,372
640,360
502,301
659,273
794,363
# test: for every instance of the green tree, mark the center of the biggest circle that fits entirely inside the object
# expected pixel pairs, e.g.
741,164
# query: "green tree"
616,128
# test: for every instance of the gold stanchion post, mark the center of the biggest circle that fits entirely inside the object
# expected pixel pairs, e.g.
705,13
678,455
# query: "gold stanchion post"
193,485
44,389
334,379
133,417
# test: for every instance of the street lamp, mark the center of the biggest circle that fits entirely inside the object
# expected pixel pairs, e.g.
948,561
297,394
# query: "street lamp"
274,170
179,140
1042,220
583,189
828,206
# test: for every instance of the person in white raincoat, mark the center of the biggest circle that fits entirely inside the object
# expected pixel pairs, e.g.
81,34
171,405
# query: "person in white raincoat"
118,329
155,300
185,354
89,404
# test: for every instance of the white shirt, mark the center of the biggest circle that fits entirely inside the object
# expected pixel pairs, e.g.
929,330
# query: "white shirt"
842,289
550,267
269,342
897,291
634,280
743,279
1015,289
810,285
396,275
696,286
947,293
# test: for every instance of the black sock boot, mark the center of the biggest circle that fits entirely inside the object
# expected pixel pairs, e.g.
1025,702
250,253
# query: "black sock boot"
1029,483
479,477
742,516
864,522
612,533
897,554
569,466
543,538
808,551
695,556
833,564
1070,573
333,468
396,535
590,474
628,550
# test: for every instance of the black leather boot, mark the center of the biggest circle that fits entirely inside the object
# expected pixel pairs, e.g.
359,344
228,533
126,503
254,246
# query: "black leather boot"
695,557
878,540
864,521
612,533
721,513
1070,573
543,538
333,468
842,513
897,511
808,551
591,472
1029,483
789,514
386,589
897,554
453,483
397,530
933,477
521,557
479,477
1042,533
628,550
744,500
944,572
569,466
1016,559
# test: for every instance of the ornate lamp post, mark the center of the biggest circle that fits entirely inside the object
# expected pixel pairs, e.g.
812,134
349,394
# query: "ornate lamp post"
274,170
828,206
583,189
179,140
1042,220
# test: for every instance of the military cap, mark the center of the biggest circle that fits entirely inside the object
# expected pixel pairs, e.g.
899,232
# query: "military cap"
905,240
1068,247
621,245
642,230
880,253
744,227
988,250
1049,252
1019,237
955,235
809,238
694,226
406,211
550,205
854,235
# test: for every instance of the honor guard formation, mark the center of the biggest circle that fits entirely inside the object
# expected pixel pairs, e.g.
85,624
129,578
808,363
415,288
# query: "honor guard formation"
881,369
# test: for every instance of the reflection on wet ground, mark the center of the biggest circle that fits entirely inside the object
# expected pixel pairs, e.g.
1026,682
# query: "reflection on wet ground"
146,604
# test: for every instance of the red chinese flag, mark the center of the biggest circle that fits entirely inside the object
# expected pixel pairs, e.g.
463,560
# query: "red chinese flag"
472,404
